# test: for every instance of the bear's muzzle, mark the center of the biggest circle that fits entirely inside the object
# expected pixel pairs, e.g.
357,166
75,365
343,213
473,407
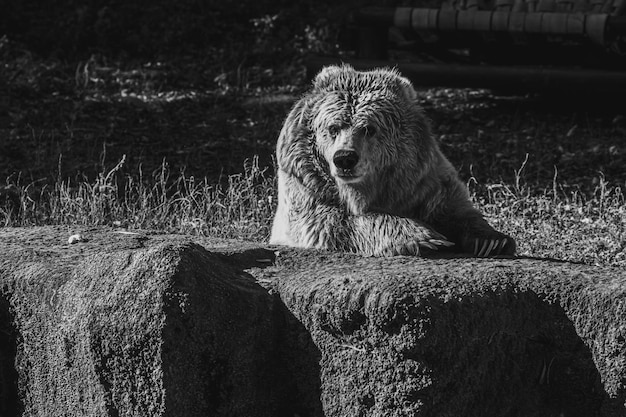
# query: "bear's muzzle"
345,159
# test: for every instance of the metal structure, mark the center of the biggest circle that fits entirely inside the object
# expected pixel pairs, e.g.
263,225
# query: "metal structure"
508,44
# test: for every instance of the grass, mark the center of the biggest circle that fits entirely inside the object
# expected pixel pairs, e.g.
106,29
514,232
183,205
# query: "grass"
554,223
559,224
239,207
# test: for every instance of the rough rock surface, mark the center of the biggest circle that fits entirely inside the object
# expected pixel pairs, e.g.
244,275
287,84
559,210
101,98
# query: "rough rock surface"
461,337
135,325
162,325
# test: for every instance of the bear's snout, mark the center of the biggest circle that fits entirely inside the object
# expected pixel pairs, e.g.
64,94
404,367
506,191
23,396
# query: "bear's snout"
345,160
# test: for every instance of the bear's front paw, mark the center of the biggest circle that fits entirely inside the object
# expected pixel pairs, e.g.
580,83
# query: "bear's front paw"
414,245
493,244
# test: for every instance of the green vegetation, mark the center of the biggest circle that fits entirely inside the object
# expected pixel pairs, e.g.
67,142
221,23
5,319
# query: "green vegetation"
140,133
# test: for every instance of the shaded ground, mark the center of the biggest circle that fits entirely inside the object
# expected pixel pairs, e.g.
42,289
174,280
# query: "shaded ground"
205,85
578,138
52,123
59,118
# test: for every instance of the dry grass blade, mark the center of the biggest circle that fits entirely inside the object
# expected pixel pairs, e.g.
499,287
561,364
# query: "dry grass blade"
240,208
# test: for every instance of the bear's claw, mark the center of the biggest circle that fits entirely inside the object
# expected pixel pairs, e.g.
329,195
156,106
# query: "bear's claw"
489,247
428,245
442,242
433,244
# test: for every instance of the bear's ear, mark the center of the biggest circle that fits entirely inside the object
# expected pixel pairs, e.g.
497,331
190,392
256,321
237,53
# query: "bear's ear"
328,75
406,87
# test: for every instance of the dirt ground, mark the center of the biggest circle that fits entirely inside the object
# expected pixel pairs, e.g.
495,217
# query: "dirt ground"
68,120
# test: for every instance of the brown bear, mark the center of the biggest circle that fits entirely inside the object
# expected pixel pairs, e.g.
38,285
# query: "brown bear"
359,171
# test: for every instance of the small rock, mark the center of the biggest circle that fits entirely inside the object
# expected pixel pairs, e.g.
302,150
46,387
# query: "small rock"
75,238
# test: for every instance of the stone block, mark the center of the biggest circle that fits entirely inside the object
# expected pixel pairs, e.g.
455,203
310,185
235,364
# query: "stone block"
164,325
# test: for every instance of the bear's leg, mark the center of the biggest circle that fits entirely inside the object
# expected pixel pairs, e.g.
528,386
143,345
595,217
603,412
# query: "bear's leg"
321,226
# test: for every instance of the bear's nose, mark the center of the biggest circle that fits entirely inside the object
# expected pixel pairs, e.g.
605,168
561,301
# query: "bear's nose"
345,159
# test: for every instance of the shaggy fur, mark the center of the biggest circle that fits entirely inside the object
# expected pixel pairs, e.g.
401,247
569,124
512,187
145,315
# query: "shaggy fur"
359,171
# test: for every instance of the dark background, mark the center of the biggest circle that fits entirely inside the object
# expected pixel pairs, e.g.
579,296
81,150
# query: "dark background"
148,29
205,85
83,83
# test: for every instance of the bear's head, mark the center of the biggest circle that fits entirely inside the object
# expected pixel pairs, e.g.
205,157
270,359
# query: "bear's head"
368,126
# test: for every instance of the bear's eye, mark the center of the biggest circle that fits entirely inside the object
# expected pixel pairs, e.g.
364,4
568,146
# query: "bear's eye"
333,130
370,130
367,131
